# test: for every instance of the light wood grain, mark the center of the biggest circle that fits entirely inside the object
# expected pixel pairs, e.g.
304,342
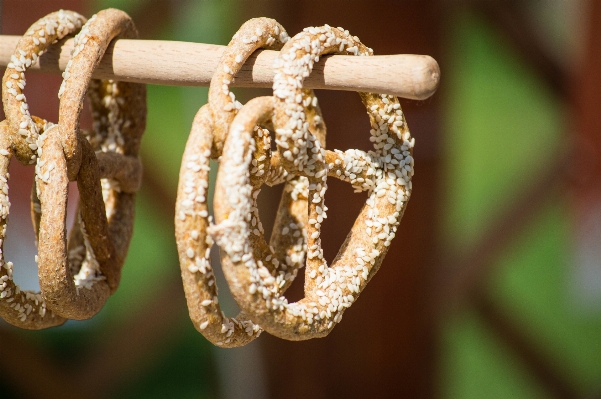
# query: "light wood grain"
192,64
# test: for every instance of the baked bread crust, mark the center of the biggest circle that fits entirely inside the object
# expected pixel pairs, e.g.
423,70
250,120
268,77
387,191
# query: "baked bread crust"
384,172
73,275
19,135
106,209
192,220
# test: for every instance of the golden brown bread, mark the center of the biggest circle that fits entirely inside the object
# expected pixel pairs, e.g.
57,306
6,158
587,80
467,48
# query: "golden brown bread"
192,219
76,277
384,172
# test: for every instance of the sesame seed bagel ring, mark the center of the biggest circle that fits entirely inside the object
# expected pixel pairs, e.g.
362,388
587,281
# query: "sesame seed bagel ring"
194,244
106,209
192,220
385,172
19,137
282,258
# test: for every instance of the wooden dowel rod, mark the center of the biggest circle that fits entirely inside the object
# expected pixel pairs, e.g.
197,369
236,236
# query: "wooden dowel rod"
192,64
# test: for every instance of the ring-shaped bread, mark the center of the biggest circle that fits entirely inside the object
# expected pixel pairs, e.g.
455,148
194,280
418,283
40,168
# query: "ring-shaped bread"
106,210
192,218
384,172
20,136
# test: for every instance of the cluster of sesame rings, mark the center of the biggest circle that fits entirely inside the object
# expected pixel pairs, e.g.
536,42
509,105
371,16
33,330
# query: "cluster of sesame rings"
119,119
384,172
106,210
192,218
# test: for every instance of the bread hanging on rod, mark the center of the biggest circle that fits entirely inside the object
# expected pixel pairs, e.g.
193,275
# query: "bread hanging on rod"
193,64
